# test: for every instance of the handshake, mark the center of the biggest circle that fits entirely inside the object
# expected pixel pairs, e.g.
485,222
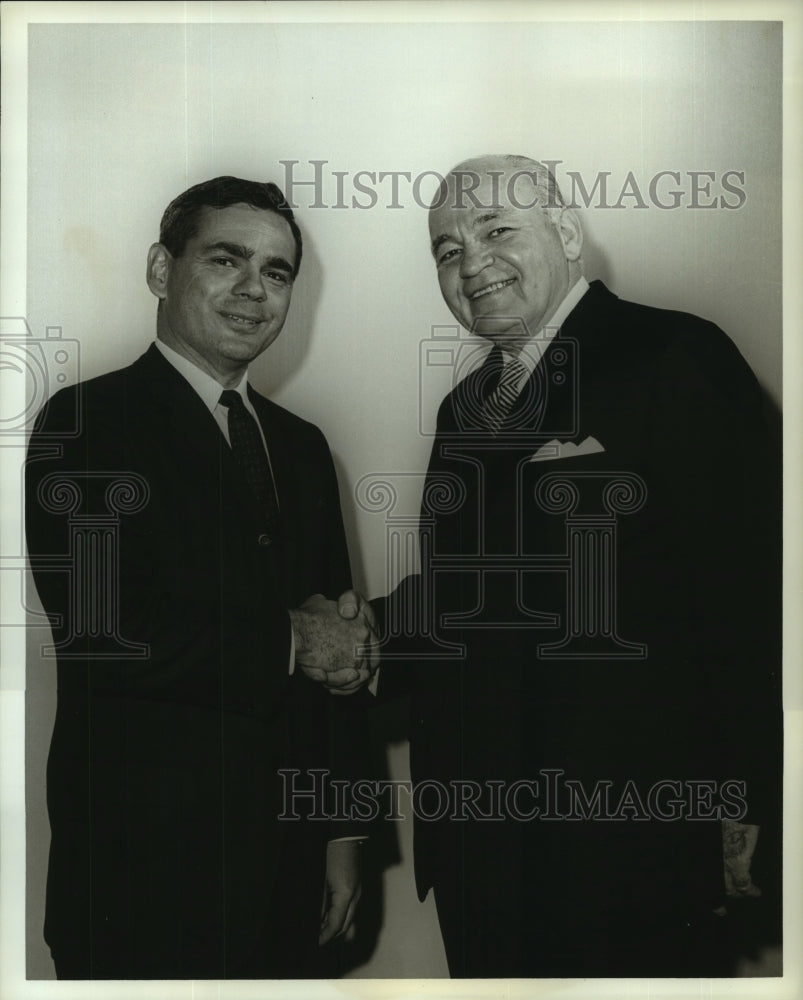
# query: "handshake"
336,642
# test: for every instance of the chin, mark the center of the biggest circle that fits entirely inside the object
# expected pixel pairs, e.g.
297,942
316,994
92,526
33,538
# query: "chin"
498,328
243,347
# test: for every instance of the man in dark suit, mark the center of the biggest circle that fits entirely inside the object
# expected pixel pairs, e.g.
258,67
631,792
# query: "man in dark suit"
175,517
594,672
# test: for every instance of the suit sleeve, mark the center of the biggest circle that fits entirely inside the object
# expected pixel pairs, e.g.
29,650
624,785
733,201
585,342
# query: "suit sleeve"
714,456
398,654
406,615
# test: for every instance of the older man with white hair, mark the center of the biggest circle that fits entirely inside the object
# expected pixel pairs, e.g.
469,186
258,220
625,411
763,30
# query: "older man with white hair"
610,571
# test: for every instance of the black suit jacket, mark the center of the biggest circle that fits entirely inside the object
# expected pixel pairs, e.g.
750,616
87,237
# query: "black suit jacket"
679,680
175,703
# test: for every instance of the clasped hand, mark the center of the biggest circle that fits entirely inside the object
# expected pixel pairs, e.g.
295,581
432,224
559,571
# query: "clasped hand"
336,641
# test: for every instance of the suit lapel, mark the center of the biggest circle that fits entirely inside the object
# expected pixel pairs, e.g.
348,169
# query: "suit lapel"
281,462
550,404
184,419
192,435
284,462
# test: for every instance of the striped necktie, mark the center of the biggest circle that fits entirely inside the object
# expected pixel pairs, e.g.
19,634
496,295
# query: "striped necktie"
249,452
500,402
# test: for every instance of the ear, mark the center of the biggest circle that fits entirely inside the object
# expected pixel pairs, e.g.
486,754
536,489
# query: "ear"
571,234
158,271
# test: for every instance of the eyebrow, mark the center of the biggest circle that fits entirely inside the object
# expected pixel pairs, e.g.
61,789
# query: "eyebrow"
235,249
246,253
480,220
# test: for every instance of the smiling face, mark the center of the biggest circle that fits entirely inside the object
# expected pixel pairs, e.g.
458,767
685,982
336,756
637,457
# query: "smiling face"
498,264
225,299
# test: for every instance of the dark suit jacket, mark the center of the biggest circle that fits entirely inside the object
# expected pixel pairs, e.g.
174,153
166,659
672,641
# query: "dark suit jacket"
167,859
697,584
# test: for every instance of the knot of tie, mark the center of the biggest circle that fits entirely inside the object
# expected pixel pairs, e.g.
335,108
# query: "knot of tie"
230,398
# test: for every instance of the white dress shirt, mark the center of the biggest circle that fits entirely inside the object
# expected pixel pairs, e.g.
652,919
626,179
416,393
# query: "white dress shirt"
209,389
533,350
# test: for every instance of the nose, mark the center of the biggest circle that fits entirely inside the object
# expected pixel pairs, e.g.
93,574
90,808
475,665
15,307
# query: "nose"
250,284
475,257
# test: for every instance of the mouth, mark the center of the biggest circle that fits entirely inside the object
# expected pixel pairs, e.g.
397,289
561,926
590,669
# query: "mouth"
246,322
490,289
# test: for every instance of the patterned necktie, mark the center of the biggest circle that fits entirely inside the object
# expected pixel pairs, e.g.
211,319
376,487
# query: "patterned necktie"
249,453
500,402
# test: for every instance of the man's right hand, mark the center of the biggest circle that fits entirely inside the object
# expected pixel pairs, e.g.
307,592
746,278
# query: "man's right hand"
336,641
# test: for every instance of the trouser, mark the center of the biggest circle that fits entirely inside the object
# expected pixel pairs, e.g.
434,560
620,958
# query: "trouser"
533,902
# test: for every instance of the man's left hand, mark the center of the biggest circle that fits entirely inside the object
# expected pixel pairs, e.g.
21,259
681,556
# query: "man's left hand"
343,888
739,844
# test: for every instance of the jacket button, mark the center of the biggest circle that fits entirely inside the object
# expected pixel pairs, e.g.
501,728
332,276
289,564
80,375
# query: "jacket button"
264,540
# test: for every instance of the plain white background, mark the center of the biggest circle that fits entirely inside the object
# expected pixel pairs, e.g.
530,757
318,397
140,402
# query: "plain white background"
122,117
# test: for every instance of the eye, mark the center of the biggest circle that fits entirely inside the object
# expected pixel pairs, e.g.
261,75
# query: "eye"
500,229
223,261
448,255
283,277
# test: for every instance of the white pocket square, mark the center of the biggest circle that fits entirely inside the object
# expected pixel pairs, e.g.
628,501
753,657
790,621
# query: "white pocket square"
555,449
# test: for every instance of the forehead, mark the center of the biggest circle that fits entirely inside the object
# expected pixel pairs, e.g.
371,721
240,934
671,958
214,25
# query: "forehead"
473,197
257,228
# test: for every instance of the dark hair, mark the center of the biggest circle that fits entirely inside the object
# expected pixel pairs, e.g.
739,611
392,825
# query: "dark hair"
179,222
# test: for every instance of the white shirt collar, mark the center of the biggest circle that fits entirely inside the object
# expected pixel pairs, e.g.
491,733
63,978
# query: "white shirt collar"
208,388
573,296
533,350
